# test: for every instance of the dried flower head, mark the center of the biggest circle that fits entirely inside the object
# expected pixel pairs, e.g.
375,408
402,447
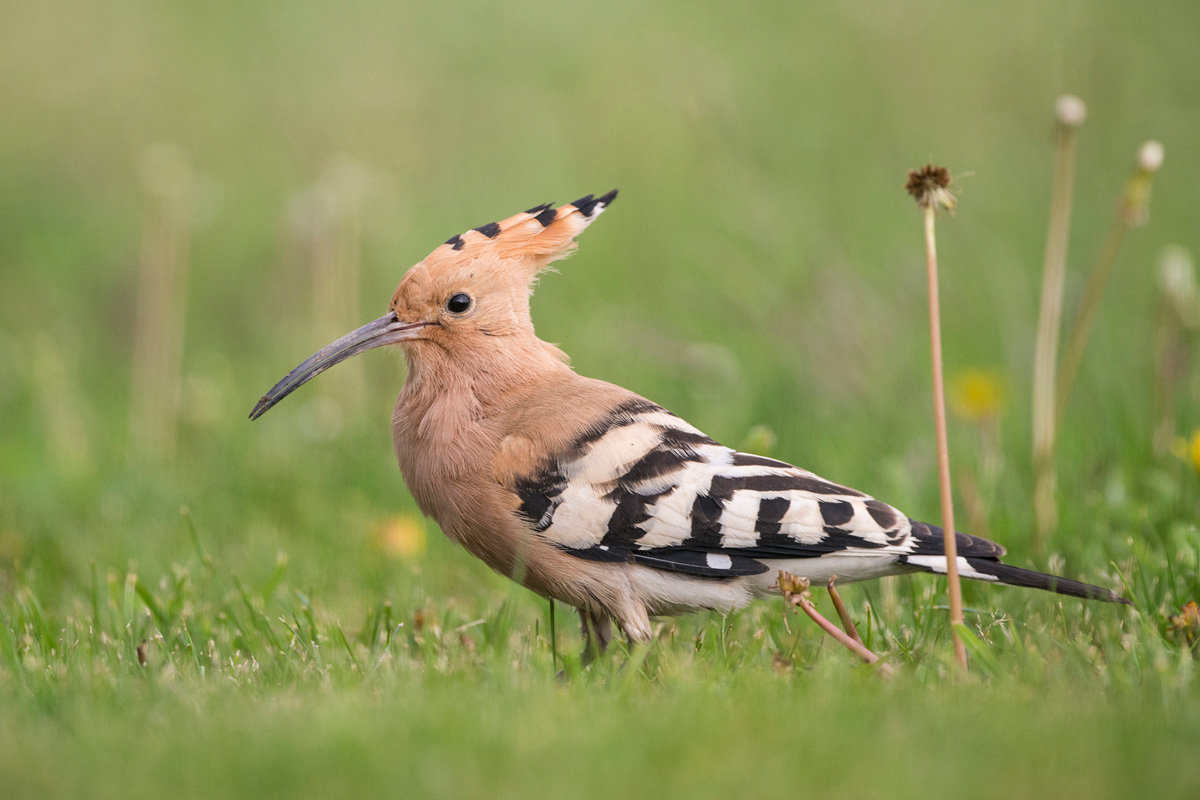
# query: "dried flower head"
1186,624
791,586
930,187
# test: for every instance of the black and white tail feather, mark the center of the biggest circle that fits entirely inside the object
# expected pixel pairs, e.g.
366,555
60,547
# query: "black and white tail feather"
643,486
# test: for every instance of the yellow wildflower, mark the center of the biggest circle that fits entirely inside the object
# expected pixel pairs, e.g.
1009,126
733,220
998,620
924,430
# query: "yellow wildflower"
977,395
401,536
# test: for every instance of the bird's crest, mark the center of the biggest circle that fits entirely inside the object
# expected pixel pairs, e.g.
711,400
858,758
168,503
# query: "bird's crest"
538,236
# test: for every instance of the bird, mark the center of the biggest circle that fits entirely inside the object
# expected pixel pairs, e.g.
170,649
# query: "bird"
590,494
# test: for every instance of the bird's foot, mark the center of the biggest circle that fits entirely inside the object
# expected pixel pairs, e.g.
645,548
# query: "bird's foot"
597,633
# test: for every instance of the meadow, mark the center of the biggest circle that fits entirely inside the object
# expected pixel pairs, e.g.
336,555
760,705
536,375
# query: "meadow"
195,605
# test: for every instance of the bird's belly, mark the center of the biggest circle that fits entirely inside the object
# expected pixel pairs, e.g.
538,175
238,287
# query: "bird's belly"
667,593
670,593
847,569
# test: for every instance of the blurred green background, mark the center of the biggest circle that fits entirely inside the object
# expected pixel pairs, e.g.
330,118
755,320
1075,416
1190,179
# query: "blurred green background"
762,266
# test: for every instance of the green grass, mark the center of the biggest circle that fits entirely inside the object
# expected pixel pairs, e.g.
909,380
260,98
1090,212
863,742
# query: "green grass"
762,266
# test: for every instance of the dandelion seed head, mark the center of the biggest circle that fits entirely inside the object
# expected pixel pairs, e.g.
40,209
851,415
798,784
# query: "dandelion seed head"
1150,156
1070,111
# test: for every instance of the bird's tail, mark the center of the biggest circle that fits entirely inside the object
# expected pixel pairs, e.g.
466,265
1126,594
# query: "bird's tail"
991,570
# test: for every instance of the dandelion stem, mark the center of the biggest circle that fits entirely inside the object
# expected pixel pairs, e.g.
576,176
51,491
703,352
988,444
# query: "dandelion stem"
943,449
161,300
1179,316
929,186
1070,113
1073,353
1132,211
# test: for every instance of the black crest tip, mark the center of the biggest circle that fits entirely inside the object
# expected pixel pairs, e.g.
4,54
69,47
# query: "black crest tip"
491,230
585,205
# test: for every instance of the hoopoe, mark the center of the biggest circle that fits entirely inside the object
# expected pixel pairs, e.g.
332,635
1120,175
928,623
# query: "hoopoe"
589,494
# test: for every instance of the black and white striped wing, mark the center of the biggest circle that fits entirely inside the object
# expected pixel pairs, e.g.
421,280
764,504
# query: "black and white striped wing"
645,486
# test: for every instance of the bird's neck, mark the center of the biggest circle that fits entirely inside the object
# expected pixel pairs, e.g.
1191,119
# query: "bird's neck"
448,418
482,375
453,398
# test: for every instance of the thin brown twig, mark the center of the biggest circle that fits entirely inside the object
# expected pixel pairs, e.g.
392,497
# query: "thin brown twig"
930,187
943,447
847,623
795,589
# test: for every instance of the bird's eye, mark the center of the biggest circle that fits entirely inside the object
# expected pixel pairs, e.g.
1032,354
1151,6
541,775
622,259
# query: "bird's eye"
458,303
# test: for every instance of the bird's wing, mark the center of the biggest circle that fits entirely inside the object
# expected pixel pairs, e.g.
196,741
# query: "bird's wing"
642,485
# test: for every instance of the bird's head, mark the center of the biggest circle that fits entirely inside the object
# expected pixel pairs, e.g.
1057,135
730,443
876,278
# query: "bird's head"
464,297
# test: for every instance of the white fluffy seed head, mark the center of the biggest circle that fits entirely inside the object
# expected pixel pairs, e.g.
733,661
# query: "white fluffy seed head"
1070,111
1150,156
1177,280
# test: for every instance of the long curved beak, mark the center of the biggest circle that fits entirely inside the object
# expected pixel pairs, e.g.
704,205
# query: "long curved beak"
385,330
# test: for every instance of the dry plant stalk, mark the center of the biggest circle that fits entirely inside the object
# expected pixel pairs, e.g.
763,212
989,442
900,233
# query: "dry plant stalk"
324,244
1178,319
162,291
795,591
1070,113
66,415
929,186
337,262
843,614
1132,211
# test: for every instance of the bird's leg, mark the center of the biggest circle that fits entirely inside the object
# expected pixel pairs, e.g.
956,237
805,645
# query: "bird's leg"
795,589
597,633
847,623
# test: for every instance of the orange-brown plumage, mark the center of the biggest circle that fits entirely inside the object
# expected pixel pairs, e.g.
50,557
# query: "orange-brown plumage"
582,490
486,400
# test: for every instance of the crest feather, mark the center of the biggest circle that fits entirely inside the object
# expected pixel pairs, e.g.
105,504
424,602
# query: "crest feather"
543,233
